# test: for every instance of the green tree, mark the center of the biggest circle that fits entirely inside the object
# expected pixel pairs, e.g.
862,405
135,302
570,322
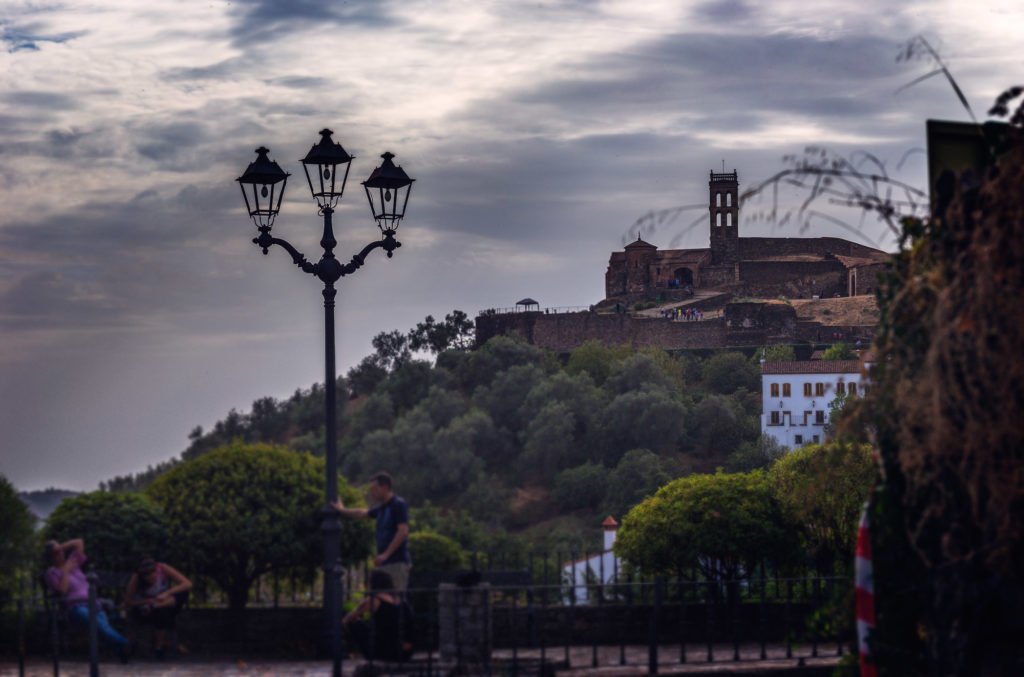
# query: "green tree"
596,359
639,372
364,378
408,383
720,426
648,419
245,510
723,524
839,351
455,333
638,475
504,398
435,552
775,353
118,528
481,366
726,372
16,541
823,488
755,455
582,487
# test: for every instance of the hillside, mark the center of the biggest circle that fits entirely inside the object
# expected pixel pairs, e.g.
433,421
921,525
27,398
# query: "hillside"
43,502
487,444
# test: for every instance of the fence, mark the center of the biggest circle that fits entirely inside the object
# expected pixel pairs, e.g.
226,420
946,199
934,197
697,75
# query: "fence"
537,627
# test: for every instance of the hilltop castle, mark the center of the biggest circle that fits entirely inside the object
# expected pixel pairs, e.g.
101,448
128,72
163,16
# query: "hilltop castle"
752,266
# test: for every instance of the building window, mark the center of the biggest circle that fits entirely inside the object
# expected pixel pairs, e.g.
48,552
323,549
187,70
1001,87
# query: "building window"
721,219
775,418
807,390
728,219
718,199
817,440
851,389
785,390
728,199
819,417
798,439
775,389
807,418
819,389
840,388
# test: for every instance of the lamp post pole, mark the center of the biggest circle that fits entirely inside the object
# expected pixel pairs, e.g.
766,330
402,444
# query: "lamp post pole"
387,190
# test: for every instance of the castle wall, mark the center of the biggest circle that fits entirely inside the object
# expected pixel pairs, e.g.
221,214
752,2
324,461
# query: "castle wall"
864,279
794,279
752,248
562,333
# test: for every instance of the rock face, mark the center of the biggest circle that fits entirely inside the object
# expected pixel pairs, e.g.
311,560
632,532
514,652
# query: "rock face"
465,624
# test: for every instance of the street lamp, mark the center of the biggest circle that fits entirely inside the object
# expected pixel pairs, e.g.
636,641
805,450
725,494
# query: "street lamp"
263,189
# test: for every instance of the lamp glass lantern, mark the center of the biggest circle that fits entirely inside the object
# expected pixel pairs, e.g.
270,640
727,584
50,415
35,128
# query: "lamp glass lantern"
262,186
321,165
388,190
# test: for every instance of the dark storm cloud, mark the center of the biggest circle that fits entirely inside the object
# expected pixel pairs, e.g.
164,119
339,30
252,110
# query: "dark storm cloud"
41,100
728,73
726,12
117,264
64,144
260,20
28,36
300,82
169,143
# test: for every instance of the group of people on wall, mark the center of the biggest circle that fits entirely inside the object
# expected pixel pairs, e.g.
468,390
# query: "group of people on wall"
380,626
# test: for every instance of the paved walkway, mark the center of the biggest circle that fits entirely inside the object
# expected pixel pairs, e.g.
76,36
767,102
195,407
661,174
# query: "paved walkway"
581,657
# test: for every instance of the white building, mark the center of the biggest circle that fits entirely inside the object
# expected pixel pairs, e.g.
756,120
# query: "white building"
593,572
796,397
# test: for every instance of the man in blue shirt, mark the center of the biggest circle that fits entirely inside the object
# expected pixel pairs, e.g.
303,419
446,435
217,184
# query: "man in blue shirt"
392,515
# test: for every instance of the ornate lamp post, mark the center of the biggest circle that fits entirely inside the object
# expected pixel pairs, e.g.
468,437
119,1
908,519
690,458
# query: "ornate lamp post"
388,191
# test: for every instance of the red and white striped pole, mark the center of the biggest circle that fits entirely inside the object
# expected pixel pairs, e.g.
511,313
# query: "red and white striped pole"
864,591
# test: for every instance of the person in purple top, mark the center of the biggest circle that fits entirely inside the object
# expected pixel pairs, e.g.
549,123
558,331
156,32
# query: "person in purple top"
66,578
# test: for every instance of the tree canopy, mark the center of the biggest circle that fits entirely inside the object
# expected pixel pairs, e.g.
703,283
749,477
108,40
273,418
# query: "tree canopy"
248,509
119,529
823,488
722,524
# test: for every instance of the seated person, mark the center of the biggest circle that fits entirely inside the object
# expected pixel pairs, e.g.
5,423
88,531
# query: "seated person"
390,623
155,594
66,578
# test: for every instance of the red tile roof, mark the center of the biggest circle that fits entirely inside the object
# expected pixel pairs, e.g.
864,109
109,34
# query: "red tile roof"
812,367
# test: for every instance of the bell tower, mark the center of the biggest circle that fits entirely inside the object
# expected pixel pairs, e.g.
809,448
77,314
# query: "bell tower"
723,190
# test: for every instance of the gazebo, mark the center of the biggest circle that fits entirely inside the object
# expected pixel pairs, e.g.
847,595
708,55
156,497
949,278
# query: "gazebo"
527,305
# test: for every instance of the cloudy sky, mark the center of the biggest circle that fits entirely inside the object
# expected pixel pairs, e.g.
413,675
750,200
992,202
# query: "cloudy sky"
133,305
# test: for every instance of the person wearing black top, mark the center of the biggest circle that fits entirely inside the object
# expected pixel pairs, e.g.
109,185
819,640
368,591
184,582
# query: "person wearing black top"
388,633
392,515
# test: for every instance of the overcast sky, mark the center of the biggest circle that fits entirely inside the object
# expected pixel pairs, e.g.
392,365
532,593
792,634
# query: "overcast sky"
133,305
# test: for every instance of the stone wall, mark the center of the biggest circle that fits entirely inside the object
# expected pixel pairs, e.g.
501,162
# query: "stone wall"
747,324
717,276
752,248
864,279
794,279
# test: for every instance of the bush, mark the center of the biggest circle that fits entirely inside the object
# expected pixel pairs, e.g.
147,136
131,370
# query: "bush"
435,553
118,529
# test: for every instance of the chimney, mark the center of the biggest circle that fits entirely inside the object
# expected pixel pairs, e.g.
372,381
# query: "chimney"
610,527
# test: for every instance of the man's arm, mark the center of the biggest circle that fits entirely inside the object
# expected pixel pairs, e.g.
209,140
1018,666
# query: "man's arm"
355,513
401,533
